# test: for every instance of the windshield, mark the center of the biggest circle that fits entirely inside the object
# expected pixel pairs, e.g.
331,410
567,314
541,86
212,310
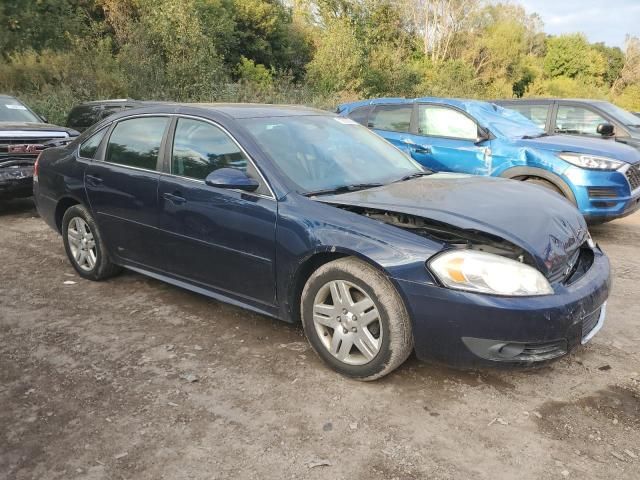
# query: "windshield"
13,111
624,117
324,152
503,122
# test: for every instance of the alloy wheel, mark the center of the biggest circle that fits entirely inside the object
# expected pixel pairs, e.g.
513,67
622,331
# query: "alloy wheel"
347,322
82,244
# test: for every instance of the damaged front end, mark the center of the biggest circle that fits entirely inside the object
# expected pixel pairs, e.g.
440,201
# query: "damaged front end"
445,233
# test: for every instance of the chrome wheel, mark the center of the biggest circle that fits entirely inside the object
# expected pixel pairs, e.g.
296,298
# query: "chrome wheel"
347,322
82,244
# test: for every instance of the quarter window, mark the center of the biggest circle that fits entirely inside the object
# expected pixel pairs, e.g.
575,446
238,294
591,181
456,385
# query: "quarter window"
136,142
393,118
577,120
439,121
89,148
199,148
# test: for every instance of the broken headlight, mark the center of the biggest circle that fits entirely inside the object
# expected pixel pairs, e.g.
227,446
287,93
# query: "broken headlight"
482,272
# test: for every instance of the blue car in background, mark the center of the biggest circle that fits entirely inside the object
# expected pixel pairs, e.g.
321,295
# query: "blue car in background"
481,138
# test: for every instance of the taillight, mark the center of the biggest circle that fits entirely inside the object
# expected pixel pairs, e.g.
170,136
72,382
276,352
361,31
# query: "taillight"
35,168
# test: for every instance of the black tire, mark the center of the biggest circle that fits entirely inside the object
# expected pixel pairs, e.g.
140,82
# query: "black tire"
545,183
394,323
104,267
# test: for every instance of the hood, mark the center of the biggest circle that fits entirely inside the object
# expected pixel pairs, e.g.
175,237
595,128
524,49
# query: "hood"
533,218
34,130
591,146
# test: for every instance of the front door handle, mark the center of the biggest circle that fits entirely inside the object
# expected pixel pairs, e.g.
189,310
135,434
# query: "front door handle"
421,149
175,198
93,180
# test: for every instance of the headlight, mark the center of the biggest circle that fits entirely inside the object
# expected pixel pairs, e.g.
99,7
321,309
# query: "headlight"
592,162
487,273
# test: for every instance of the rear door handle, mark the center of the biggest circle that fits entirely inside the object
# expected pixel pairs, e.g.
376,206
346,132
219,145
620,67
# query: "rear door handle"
175,198
421,149
93,180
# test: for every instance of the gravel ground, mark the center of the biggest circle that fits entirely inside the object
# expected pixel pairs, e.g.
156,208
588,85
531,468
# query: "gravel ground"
132,378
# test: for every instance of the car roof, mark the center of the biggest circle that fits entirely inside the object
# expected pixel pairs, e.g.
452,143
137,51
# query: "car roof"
549,100
461,103
257,110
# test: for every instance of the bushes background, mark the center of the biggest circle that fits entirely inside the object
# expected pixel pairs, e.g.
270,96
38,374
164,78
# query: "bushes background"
56,53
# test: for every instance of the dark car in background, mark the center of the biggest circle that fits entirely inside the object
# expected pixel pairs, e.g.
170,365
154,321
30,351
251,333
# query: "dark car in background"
86,114
23,135
309,217
589,118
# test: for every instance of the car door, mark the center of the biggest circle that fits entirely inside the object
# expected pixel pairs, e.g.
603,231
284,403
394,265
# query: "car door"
123,189
447,140
393,123
216,237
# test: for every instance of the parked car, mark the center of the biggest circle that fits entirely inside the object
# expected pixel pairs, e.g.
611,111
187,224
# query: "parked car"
480,138
23,135
306,216
588,118
86,114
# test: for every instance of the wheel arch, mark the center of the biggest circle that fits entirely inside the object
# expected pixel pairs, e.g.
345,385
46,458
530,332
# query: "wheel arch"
310,264
517,172
63,204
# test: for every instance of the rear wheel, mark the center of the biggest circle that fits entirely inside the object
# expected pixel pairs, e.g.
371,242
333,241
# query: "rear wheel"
355,319
84,245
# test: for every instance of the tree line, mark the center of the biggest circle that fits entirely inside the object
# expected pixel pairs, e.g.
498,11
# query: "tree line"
56,53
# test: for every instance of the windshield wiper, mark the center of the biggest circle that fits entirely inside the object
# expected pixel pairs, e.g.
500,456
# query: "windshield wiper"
343,189
531,137
416,175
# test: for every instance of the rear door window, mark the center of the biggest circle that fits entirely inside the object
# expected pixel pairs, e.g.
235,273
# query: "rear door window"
136,142
361,115
83,116
392,118
577,120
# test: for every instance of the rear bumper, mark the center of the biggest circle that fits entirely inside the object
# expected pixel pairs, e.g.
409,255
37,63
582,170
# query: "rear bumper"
468,330
16,178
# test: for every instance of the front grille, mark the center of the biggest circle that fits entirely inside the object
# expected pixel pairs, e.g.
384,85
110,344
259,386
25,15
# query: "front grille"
633,176
602,192
590,321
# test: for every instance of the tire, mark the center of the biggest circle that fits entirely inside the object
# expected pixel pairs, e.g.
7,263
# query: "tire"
87,253
374,337
544,183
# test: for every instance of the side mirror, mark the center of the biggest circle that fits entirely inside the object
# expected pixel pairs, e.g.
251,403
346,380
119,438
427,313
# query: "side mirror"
483,136
605,129
231,178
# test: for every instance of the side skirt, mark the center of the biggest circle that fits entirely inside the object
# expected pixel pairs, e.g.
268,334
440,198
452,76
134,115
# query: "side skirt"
269,310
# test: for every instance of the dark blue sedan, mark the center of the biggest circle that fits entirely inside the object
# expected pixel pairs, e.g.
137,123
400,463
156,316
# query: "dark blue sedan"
309,217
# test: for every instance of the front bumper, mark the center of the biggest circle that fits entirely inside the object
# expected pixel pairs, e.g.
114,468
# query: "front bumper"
16,178
603,195
445,320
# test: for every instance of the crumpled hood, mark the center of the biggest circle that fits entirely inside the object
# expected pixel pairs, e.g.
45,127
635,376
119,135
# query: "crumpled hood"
531,217
36,129
591,146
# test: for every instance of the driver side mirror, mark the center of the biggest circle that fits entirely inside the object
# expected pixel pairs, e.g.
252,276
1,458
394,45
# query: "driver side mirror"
605,129
483,136
231,178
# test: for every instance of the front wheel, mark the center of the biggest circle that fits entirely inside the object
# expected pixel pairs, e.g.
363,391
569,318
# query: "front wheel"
84,246
355,319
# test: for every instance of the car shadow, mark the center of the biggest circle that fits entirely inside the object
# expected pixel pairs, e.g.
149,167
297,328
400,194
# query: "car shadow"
21,207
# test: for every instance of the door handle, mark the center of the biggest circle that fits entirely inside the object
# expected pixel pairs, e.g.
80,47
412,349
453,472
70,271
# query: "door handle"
93,180
422,149
175,198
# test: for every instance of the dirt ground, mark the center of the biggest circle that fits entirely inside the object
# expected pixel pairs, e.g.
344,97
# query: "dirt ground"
97,382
